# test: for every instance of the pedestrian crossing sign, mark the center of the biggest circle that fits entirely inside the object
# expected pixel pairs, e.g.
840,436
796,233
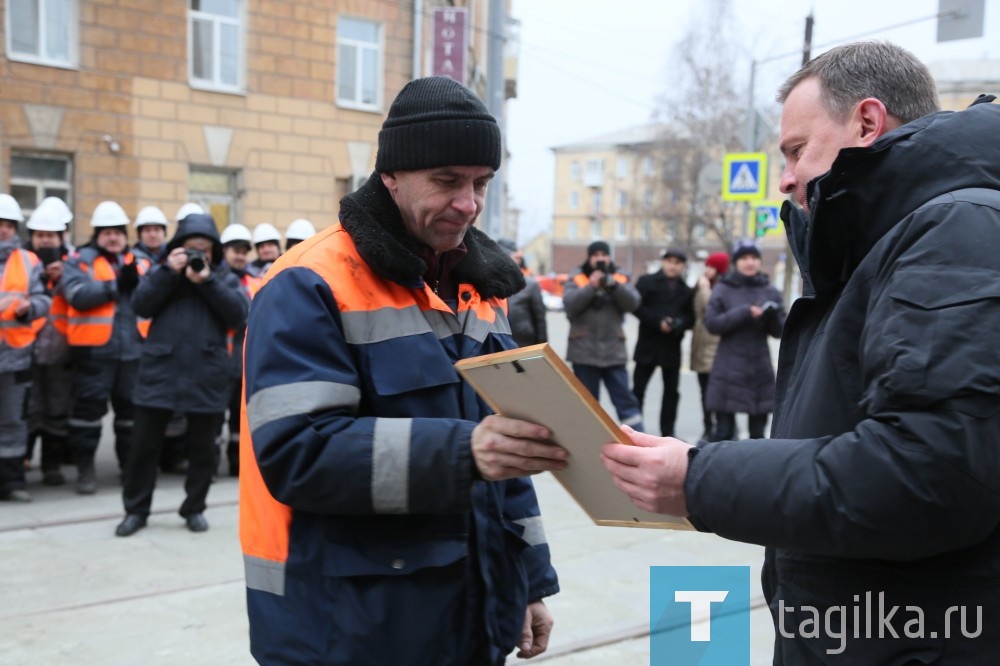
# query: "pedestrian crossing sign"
744,176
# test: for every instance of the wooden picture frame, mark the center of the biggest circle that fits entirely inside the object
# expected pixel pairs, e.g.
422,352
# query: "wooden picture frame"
534,384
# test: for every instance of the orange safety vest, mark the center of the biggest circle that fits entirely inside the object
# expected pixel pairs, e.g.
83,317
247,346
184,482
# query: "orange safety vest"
582,279
92,328
251,284
16,282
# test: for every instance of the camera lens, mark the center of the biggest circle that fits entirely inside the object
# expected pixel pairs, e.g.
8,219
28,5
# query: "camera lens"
197,264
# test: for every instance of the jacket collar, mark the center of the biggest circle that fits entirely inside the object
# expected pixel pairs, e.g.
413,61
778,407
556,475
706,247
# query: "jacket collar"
868,191
371,218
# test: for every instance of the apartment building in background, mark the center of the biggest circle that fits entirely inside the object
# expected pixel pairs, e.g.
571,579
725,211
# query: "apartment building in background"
630,188
260,110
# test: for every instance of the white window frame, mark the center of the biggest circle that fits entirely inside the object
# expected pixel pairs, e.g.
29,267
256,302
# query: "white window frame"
647,199
621,230
378,48
595,229
623,167
597,200
574,200
230,198
217,21
43,185
574,170
72,60
572,230
648,166
622,200
645,229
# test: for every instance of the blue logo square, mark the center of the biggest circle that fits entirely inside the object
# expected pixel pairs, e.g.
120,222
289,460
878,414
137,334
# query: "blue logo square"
699,616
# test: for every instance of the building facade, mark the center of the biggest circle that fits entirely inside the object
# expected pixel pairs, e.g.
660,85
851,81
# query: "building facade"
260,110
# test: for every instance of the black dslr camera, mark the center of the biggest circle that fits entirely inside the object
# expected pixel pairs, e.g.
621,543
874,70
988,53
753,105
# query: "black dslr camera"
196,260
608,281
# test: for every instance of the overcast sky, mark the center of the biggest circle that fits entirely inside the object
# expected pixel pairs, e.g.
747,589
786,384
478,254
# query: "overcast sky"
588,67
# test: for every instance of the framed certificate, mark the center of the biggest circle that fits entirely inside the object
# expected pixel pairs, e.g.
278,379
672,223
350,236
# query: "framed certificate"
534,384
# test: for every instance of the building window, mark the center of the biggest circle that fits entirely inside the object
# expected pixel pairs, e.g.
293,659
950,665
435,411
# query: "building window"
215,44
699,231
623,167
645,230
42,32
36,176
574,200
217,191
647,199
648,166
593,175
622,200
359,63
598,200
571,231
621,230
595,228
574,170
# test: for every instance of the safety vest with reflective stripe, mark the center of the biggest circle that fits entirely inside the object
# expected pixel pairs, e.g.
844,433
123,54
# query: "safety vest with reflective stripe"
16,282
251,283
582,280
92,328
372,309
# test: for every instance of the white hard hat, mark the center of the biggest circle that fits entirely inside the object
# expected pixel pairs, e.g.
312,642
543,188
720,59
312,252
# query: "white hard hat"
150,215
52,214
300,229
108,214
188,209
235,232
265,232
10,209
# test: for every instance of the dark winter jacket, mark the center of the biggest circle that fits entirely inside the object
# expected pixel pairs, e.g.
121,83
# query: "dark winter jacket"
659,302
742,377
185,358
367,536
526,312
882,474
596,317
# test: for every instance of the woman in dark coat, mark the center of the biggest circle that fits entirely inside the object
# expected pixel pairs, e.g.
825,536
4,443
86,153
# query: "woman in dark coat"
193,300
743,310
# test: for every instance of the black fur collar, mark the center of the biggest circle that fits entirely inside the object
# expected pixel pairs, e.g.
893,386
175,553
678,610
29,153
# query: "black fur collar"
372,219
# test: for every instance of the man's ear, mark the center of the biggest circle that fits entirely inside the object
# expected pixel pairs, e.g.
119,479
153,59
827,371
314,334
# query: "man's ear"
389,180
872,121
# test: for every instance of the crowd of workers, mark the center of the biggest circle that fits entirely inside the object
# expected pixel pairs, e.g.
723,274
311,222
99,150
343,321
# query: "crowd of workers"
154,329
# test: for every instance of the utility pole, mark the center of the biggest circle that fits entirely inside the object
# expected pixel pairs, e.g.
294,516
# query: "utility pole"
789,258
495,86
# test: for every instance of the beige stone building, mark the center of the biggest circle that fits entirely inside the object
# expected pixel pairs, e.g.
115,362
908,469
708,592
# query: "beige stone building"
625,188
260,110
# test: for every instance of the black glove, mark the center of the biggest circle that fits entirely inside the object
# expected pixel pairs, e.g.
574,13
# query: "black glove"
128,278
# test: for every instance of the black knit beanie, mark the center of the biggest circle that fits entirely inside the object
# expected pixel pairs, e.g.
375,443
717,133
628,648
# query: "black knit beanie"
435,122
598,246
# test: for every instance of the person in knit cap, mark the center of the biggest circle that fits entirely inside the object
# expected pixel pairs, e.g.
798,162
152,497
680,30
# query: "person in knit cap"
665,314
375,487
596,299
703,343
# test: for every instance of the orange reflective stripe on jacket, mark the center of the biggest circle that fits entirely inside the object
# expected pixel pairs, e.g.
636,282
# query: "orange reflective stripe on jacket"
582,279
16,282
92,328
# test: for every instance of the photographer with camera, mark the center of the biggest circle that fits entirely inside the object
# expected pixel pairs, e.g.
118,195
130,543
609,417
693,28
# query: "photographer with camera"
596,299
743,310
193,299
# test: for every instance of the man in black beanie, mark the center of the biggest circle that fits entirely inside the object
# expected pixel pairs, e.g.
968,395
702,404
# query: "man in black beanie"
386,516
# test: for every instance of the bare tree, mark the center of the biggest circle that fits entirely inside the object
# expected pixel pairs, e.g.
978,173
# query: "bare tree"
705,109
